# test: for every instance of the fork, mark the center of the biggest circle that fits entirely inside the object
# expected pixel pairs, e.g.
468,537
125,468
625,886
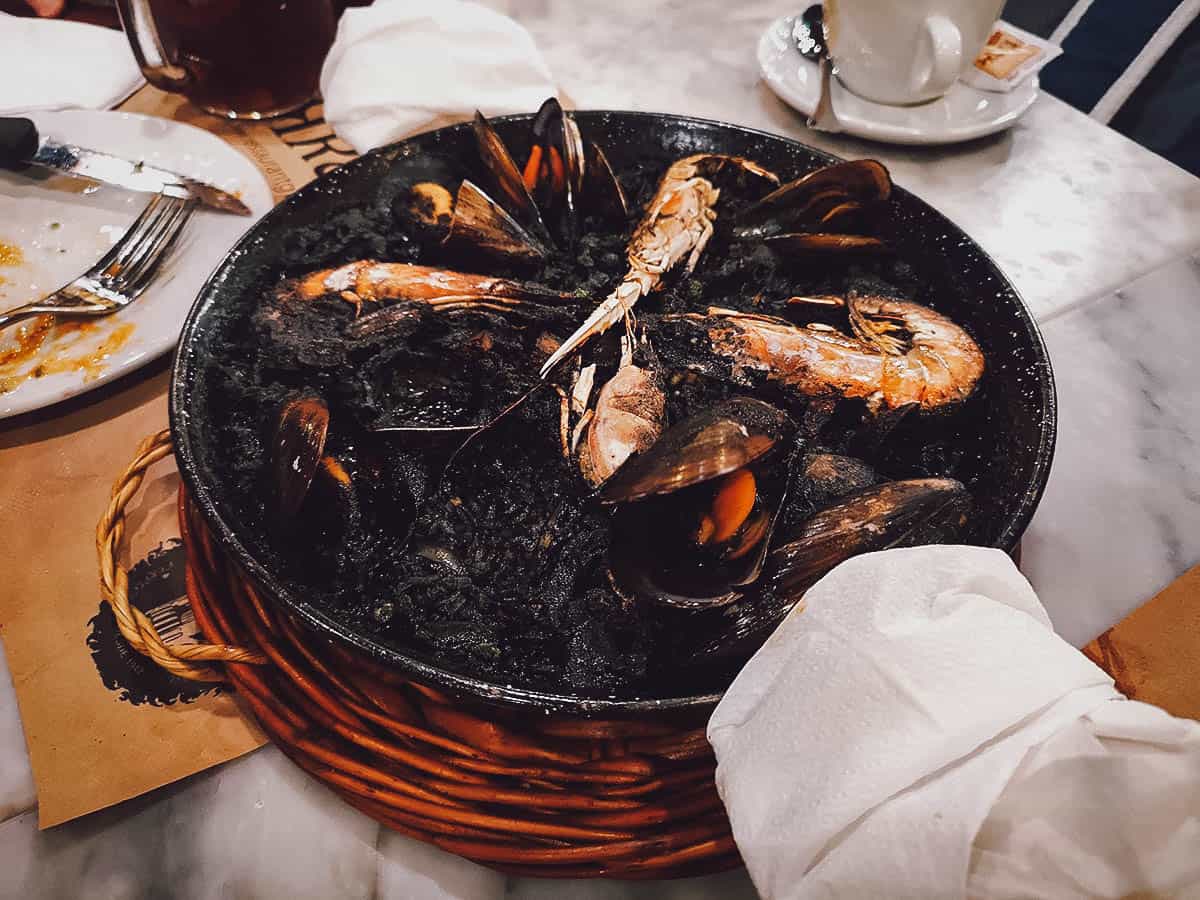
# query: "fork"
126,269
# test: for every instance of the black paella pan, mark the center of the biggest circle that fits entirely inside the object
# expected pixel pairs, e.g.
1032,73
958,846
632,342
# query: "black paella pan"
999,444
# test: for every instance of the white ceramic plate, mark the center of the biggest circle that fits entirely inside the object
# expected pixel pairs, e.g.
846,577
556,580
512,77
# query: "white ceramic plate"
61,226
962,114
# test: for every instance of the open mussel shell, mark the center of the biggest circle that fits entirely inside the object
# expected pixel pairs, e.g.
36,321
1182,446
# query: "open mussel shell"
481,223
894,514
698,508
543,174
664,549
820,479
831,198
554,172
602,192
634,577
844,217
299,443
574,163
860,180
508,179
728,436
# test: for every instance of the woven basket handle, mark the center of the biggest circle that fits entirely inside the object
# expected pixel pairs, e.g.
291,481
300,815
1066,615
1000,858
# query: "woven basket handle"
191,661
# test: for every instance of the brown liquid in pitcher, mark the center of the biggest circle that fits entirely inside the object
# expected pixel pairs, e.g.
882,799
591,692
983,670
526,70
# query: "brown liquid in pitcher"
249,58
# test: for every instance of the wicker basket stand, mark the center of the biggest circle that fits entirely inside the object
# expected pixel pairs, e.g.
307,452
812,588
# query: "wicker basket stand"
530,794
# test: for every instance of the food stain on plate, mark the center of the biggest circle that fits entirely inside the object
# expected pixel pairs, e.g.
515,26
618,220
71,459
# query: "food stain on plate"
44,346
10,256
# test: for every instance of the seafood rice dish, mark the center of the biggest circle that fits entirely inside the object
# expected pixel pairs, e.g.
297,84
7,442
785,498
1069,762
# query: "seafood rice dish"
581,428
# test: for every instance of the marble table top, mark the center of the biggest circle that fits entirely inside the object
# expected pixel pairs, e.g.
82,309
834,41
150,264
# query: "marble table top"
1098,234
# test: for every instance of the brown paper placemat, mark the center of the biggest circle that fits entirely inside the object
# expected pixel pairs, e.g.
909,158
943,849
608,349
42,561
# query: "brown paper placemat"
290,150
1154,653
102,723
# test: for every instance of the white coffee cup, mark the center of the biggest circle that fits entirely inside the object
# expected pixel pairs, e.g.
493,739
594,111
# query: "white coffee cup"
902,52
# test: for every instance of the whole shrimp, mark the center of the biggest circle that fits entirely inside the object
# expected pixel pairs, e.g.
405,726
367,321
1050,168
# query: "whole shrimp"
902,354
368,280
677,226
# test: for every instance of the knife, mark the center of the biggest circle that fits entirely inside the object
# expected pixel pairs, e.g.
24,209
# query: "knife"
21,145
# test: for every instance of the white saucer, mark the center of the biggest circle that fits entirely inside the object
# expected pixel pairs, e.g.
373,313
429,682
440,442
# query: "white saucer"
62,226
964,113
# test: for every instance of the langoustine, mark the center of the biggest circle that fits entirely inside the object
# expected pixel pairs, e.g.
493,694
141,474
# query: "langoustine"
676,227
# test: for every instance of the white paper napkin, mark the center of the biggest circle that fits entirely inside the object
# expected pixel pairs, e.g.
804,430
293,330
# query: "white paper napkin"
864,746
402,66
55,64
1108,807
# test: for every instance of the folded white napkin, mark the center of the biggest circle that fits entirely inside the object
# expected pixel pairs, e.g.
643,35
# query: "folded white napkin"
55,64
402,66
863,748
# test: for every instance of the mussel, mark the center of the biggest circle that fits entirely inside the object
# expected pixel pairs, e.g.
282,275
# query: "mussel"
321,493
893,514
569,176
602,191
696,511
508,179
332,511
316,498
555,169
297,450
825,210
480,222
564,177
